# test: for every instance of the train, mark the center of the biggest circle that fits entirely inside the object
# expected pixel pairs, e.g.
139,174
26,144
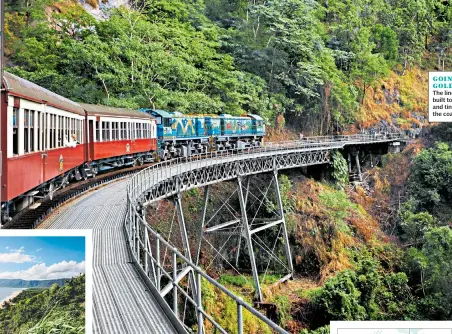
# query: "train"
48,141
185,135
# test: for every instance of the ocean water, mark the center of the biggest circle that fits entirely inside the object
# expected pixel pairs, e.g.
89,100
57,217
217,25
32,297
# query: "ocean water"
6,292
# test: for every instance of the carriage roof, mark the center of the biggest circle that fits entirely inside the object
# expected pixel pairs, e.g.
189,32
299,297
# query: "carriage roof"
19,87
100,110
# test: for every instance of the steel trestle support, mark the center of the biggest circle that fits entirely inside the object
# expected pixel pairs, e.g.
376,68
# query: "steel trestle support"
249,242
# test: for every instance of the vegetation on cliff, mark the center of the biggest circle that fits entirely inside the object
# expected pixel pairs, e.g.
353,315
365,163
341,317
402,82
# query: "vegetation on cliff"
58,309
324,65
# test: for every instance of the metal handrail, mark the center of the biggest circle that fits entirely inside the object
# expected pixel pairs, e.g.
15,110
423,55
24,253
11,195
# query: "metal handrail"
136,187
199,273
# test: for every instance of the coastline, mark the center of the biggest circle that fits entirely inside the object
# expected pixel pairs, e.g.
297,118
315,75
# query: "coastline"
13,295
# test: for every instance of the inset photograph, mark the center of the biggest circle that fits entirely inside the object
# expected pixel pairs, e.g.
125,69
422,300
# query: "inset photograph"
45,282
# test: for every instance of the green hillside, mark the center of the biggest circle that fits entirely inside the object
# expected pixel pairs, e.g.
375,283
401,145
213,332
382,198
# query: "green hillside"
58,309
19,283
324,65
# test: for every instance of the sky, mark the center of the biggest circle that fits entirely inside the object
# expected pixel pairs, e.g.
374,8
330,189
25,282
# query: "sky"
40,258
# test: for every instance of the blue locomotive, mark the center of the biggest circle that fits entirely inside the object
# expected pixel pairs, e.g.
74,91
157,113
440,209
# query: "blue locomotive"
184,135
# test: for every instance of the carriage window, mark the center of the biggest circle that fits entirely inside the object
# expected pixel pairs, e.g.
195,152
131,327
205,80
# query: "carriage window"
108,135
38,130
31,126
60,131
97,131
80,131
123,130
15,134
66,128
44,129
51,132
77,126
26,134
55,132
72,128
104,130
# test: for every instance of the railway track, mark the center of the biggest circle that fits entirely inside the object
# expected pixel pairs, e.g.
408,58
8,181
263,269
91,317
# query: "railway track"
32,217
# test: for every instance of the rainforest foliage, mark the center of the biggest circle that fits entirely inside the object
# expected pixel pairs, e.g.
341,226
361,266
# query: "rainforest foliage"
312,61
408,279
58,309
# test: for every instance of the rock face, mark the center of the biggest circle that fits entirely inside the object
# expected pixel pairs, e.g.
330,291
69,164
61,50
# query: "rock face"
100,8
19,283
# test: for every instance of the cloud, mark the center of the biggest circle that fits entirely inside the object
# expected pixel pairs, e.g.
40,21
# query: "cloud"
15,257
19,250
41,271
39,249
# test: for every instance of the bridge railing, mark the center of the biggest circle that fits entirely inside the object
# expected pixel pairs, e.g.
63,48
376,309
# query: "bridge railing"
142,181
149,261
359,138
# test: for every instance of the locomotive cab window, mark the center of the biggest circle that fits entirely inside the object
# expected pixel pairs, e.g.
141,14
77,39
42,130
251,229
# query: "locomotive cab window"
167,122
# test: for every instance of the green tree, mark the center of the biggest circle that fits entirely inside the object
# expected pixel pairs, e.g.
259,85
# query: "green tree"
415,225
430,185
431,271
340,169
340,298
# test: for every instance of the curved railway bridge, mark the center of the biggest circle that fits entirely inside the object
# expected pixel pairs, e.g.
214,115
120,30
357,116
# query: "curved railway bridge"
140,278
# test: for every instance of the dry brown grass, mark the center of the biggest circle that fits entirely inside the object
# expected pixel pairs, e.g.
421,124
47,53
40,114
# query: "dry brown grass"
93,3
412,90
320,236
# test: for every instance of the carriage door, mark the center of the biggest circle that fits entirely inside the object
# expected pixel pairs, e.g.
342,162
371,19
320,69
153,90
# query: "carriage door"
91,139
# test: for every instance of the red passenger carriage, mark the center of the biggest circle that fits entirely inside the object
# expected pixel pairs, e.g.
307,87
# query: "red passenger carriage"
48,140
119,133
